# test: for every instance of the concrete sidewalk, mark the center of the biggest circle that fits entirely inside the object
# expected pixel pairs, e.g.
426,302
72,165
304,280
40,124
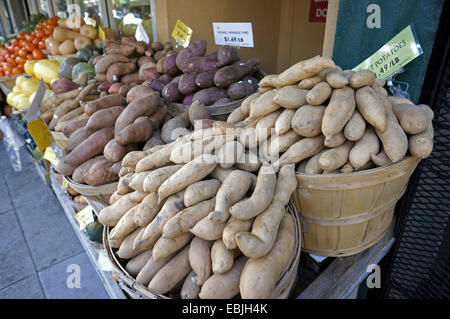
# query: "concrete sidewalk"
37,241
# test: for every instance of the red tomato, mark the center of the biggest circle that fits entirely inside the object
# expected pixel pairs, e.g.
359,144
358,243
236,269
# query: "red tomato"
10,47
2,73
17,70
29,57
36,41
15,42
22,43
21,35
29,37
29,47
37,54
7,72
20,60
23,53
40,33
42,45
48,31
4,52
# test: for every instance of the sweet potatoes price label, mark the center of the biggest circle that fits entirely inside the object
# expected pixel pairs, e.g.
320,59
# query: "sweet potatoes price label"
51,156
399,51
85,217
182,34
238,34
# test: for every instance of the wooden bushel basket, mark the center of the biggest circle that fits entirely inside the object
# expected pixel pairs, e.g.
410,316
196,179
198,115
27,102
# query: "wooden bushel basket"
93,191
281,290
344,214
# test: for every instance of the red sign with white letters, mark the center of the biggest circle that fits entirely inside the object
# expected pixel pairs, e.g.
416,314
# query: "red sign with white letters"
318,11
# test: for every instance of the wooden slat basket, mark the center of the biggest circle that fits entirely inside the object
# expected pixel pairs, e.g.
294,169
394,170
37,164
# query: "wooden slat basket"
281,291
93,191
344,214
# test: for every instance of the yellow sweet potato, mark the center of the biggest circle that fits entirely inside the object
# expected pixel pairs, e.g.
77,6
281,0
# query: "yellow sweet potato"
412,118
232,190
171,274
302,70
200,259
290,97
200,191
263,105
150,269
228,283
259,276
371,107
191,172
355,127
261,197
187,218
421,145
110,215
362,78
167,246
318,94
135,264
234,226
190,289
336,79
301,150
335,157
312,164
360,153
339,111
260,240
335,140
307,120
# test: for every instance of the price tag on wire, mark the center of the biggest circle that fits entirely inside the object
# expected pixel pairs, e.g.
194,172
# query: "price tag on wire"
51,156
64,183
238,34
399,51
85,217
182,34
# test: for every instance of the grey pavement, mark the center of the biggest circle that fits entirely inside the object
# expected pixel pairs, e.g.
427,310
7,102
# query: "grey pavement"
40,254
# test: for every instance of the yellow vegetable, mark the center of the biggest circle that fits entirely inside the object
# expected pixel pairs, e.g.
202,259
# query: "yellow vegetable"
20,79
16,98
47,70
16,89
29,65
29,86
10,97
22,103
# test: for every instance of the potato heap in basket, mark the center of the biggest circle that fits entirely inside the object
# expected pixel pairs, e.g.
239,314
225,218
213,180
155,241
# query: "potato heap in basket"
194,213
329,121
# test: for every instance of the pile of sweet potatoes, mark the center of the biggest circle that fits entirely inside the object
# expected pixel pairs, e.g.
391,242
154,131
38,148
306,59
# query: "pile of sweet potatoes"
190,74
327,120
127,63
189,220
108,128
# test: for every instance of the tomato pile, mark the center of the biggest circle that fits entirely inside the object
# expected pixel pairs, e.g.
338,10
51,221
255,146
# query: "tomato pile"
25,47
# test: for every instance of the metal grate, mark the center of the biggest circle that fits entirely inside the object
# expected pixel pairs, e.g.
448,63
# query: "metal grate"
420,260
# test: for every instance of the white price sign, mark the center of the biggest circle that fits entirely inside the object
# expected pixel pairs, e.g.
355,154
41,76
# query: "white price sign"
141,34
239,34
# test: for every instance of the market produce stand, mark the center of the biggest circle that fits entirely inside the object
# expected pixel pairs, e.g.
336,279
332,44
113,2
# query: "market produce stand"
94,252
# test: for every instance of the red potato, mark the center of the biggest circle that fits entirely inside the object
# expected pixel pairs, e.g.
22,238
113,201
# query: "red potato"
188,99
137,91
114,88
157,118
76,123
205,79
186,85
81,170
232,73
143,106
63,85
116,70
103,103
196,48
210,95
102,65
157,85
200,64
99,174
104,118
125,50
89,148
239,90
104,86
227,55
130,78
139,131
77,137
148,71
114,152
169,65
171,92
166,78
